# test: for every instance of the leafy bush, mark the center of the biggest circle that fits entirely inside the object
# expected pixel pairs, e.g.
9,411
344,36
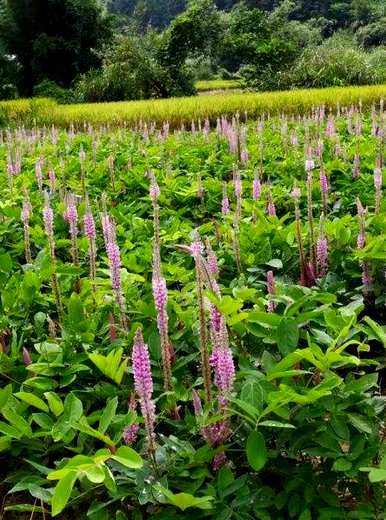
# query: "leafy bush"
373,34
49,89
337,62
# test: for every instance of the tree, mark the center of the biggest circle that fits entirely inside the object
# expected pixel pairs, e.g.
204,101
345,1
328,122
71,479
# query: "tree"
55,39
194,32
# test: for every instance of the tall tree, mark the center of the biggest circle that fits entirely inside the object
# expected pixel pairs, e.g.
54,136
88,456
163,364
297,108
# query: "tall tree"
55,39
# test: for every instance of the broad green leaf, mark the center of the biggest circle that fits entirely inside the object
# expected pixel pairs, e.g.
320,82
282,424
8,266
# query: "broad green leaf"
269,319
377,475
360,422
43,420
108,415
287,336
32,400
95,473
5,394
110,365
55,403
256,451
185,500
5,443
83,426
73,410
252,393
128,457
342,465
377,330
9,431
62,492
17,421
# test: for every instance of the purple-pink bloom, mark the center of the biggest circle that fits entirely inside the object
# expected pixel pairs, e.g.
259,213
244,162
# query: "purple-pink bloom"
48,218
154,190
225,204
26,357
114,257
271,208
323,182
218,461
322,255
256,188
89,226
143,384
52,179
196,248
271,290
295,193
26,212
356,166
197,406
130,434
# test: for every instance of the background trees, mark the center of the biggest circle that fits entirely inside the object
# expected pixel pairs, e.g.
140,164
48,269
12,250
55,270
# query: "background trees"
54,39
133,49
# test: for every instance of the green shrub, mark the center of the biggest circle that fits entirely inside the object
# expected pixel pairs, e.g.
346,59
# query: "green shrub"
49,89
337,62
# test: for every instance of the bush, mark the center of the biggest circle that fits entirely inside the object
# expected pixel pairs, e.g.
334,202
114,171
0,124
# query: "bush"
373,34
337,62
132,70
49,89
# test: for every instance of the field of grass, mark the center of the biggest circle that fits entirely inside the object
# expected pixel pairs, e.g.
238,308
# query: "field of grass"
217,84
183,110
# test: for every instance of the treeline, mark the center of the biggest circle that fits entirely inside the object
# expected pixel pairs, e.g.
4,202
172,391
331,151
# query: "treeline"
87,50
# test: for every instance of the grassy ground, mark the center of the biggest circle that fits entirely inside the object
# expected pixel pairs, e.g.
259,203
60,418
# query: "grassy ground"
183,110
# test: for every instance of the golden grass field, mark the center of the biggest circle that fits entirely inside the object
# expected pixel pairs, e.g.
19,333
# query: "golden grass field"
217,84
184,109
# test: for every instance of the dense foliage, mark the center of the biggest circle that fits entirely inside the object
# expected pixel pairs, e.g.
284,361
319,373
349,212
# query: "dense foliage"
119,50
53,40
251,255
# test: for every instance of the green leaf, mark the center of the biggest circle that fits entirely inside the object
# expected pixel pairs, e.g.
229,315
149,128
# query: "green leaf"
287,336
9,431
305,515
5,394
55,403
377,330
83,426
276,424
17,421
110,365
43,420
377,475
342,465
224,478
256,451
95,474
185,500
276,263
108,415
360,423
252,393
5,263
269,319
32,400
62,492
73,410
128,457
